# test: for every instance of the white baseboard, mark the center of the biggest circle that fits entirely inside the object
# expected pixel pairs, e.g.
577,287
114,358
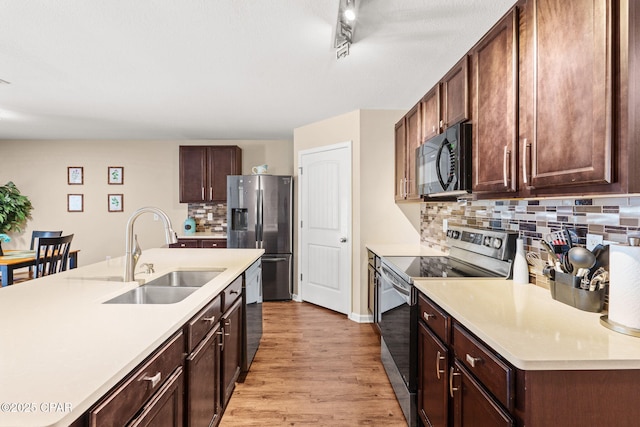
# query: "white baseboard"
296,298
360,318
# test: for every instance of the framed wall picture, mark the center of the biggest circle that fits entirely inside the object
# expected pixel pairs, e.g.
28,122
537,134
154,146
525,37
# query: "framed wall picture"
116,175
75,202
75,175
116,202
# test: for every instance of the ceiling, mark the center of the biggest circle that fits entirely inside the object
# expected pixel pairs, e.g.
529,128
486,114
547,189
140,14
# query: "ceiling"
218,69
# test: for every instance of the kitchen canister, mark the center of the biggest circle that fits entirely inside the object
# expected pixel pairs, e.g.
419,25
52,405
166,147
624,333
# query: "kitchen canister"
624,290
520,265
189,226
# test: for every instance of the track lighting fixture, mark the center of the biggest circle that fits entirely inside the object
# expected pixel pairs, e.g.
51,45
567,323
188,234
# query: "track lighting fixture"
345,26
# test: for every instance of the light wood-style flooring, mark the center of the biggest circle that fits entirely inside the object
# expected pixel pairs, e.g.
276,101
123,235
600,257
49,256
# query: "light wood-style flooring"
314,367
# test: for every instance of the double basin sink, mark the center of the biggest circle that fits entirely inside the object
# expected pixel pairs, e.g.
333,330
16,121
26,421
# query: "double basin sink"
167,289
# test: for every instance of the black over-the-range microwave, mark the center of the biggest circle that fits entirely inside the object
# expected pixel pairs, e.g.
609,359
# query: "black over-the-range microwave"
443,163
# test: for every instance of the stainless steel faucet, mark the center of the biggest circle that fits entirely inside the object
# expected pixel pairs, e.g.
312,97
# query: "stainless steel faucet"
131,257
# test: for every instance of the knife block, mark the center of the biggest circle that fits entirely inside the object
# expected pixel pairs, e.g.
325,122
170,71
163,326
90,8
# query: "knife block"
566,289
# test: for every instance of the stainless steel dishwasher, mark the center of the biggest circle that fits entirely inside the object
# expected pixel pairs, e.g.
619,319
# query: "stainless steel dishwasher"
252,315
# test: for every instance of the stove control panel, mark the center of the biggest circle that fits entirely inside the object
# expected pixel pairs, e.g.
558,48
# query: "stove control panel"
494,243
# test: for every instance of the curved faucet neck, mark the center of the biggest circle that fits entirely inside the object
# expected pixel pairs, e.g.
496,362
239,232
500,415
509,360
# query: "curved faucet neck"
170,237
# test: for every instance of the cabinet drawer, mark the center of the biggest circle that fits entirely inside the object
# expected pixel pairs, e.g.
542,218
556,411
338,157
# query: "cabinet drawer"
185,243
493,373
200,325
120,405
231,293
213,243
436,318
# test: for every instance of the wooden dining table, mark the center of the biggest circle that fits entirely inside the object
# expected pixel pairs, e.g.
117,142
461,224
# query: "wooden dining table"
14,259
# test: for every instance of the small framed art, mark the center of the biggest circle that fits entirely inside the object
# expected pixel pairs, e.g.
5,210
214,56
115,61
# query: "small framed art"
75,175
115,202
116,175
75,202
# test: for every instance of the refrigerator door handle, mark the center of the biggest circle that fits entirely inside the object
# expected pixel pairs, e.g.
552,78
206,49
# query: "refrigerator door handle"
260,218
273,259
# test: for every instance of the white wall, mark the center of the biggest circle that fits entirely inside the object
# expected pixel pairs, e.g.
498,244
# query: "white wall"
376,217
39,169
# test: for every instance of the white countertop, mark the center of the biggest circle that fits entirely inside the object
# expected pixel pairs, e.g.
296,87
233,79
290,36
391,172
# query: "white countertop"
60,345
523,323
530,329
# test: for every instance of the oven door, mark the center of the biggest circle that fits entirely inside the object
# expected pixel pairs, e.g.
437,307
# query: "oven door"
395,320
398,330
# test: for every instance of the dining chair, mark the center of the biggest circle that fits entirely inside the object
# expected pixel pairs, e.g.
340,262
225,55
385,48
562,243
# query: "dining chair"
36,234
52,255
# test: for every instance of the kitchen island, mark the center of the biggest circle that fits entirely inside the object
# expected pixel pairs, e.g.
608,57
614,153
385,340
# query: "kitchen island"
63,349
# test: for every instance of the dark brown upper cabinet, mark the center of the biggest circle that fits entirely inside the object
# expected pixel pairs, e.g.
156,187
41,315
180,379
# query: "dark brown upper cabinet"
407,140
455,94
447,103
431,123
494,100
566,95
204,170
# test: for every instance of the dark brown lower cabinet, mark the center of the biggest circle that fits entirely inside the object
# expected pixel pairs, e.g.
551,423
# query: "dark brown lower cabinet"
165,408
433,379
149,393
231,358
472,405
203,381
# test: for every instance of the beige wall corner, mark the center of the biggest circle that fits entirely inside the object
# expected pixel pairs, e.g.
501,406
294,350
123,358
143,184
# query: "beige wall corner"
376,217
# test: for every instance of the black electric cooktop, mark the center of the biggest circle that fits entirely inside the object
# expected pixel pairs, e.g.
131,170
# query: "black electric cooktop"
435,266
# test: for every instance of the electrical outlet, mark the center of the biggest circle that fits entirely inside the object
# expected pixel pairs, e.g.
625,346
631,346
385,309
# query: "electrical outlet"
209,216
445,225
593,240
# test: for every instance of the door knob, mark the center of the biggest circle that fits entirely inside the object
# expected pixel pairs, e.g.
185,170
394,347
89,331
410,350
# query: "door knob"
343,240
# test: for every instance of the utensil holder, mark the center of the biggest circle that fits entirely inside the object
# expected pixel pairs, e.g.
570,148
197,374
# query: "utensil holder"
566,289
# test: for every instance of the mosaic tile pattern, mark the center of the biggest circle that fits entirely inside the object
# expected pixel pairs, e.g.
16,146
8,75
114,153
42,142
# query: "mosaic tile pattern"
200,211
614,218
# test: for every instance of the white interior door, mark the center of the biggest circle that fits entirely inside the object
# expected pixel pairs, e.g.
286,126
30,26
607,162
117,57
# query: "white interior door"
325,226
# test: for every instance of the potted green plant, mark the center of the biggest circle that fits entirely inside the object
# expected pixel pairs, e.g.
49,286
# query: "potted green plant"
15,210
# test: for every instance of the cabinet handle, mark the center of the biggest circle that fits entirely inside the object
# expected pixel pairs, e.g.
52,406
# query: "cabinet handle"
524,161
227,324
202,193
154,380
427,316
473,360
211,319
221,340
439,371
451,375
505,166
210,193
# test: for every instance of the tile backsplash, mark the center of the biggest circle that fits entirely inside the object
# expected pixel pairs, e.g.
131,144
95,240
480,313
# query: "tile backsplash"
200,212
614,218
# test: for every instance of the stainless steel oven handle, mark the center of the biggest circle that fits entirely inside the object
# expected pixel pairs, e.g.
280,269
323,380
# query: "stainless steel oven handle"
400,289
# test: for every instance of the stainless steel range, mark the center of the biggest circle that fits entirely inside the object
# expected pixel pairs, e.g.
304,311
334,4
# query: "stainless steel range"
474,253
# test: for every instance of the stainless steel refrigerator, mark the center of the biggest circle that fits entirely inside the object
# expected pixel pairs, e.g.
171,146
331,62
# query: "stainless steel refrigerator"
260,215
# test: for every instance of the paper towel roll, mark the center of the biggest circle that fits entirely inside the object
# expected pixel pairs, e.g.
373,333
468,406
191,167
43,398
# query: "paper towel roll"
624,285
